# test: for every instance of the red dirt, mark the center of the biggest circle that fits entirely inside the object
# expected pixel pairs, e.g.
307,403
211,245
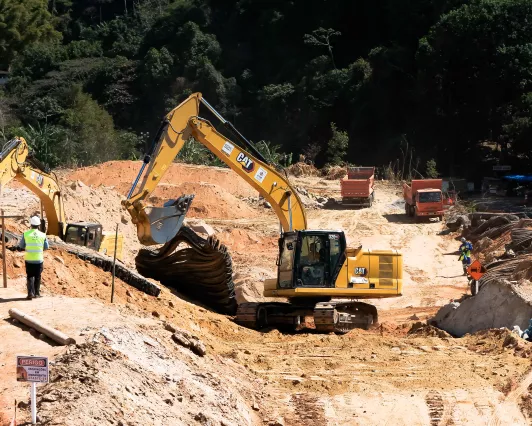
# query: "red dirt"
121,175
211,201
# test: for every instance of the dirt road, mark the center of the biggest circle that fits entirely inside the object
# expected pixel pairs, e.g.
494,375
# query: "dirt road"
378,377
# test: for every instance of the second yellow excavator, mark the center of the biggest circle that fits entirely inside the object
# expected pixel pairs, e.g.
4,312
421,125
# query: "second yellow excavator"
318,274
16,163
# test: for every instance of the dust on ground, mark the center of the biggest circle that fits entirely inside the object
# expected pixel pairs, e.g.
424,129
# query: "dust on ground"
381,376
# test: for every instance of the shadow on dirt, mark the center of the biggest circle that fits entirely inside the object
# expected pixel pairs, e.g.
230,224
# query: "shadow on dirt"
403,218
13,299
398,218
340,206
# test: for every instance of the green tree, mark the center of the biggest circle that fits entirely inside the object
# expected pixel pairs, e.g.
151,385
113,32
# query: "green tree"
475,66
22,23
322,37
337,146
91,134
431,170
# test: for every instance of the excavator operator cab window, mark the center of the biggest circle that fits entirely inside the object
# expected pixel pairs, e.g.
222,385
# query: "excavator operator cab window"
286,261
75,235
91,242
314,261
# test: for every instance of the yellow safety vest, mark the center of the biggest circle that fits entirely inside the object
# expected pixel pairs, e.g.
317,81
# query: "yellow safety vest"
34,240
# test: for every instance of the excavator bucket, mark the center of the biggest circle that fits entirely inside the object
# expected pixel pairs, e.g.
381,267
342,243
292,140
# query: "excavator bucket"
165,222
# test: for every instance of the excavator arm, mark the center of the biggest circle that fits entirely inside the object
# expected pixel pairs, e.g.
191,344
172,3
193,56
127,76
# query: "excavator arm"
16,164
160,225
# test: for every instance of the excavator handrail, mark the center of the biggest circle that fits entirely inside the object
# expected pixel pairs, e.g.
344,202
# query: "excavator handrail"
183,123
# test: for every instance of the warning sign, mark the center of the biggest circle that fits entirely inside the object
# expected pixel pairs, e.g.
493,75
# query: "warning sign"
476,270
32,369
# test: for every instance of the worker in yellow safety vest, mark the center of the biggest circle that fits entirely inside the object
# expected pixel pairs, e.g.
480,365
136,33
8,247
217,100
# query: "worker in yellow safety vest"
34,242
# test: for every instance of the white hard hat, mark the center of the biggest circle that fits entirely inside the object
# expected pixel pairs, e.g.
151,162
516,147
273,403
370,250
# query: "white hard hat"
463,239
35,221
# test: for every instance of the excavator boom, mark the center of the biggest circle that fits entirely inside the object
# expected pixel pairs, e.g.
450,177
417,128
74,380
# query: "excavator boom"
158,225
16,164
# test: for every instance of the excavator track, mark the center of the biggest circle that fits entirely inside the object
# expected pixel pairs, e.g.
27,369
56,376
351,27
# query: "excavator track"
342,317
202,271
329,317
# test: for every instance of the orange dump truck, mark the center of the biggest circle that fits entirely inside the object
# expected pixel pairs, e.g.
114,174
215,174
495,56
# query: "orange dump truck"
358,186
423,198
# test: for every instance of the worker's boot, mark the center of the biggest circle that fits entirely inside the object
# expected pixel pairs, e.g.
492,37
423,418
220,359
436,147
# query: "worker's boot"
31,290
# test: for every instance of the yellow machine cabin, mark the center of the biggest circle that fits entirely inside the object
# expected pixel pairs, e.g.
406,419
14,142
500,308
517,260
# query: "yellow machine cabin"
317,263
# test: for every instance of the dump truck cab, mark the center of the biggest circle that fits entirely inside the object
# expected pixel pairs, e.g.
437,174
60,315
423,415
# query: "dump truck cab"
424,198
429,202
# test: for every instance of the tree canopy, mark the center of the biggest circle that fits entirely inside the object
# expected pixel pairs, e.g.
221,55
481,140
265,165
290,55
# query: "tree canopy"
90,79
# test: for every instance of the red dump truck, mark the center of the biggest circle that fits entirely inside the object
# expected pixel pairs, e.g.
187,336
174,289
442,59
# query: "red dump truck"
358,186
424,198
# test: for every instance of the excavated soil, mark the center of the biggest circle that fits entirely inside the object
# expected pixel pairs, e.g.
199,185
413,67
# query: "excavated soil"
128,369
121,175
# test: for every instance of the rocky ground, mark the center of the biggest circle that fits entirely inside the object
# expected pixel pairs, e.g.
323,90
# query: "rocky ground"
137,361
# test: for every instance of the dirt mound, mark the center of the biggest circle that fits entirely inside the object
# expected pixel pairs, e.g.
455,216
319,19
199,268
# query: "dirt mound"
498,304
420,329
211,201
152,382
103,205
334,173
121,174
245,241
302,169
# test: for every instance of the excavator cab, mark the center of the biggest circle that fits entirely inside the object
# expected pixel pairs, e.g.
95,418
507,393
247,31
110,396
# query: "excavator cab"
310,258
85,234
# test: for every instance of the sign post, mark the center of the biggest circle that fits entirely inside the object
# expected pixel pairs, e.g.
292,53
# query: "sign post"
33,369
114,264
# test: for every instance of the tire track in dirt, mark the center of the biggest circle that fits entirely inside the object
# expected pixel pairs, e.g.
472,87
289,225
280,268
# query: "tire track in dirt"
436,407
308,411
505,408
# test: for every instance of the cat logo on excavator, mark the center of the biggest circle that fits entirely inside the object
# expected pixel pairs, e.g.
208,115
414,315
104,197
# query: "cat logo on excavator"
247,163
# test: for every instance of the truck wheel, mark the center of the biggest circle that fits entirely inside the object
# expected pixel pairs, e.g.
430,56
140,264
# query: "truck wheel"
407,209
370,200
412,211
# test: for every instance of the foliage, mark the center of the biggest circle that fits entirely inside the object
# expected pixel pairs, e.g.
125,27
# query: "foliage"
311,152
22,23
337,146
446,75
430,170
195,153
322,37
272,153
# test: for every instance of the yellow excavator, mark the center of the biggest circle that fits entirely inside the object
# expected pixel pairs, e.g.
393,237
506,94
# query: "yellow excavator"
16,163
317,273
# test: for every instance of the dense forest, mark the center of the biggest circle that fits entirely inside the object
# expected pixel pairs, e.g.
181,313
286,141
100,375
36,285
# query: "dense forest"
367,82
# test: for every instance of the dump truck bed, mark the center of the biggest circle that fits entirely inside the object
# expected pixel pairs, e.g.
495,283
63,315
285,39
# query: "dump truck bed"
358,185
